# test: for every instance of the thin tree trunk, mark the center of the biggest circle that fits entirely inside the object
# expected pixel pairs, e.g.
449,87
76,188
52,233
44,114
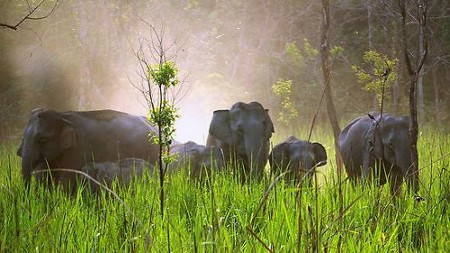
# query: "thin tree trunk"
397,54
85,73
437,111
369,38
414,73
369,23
324,58
421,111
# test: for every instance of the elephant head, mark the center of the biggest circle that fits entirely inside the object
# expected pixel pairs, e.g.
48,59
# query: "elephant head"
243,132
201,160
210,158
390,144
124,171
379,146
46,137
298,157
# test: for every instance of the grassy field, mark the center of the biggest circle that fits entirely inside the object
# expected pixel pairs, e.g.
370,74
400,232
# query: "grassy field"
227,216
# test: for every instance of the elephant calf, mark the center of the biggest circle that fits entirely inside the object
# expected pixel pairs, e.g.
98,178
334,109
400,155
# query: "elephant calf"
298,157
198,159
124,171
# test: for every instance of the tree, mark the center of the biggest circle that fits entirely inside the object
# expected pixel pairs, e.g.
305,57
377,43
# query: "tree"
324,59
30,15
288,113
415,70
378,77
158,80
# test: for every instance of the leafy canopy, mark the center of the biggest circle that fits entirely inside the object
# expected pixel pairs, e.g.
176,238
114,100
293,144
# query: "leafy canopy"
283,88
164,75
164,113
379,75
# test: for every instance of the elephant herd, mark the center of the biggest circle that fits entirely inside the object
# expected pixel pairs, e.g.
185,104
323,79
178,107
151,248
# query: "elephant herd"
105,145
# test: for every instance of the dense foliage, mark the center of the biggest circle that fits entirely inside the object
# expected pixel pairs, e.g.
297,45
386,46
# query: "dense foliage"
80,57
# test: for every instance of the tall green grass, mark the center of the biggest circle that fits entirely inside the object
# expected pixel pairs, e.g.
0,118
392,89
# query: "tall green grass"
227,216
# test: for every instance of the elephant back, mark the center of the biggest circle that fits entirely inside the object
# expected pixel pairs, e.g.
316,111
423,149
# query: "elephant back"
106,115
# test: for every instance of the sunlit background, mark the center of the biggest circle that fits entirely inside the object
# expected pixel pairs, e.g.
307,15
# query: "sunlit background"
82,57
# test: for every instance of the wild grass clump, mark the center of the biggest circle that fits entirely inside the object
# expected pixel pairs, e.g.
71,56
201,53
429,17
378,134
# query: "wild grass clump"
220,214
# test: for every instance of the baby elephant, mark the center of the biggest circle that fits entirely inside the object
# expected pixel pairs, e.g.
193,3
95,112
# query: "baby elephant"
124,170
298,157
199,160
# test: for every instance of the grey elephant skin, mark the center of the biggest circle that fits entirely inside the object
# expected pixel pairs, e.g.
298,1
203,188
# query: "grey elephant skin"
371,140
198,159
298,158
71,139
123,171
243,133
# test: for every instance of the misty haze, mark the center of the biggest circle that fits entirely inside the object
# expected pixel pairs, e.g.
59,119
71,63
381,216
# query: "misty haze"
304,126
82,57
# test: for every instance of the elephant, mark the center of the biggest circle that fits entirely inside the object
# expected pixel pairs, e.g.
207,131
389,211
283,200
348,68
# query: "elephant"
243,133
71,139
199,159
299,157
379,140
123,170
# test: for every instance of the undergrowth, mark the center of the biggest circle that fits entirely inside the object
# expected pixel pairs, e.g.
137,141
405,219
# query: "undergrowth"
223,215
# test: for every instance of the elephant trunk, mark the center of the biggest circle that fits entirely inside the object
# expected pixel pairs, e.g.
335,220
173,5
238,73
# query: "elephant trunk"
412,178
26,170
30,161
413,183
303,168
411,175
257,156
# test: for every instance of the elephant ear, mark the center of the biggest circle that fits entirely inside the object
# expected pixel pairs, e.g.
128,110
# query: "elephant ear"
291,139
320,154
279,158
269,124
68,137
220,126
19,151
193,159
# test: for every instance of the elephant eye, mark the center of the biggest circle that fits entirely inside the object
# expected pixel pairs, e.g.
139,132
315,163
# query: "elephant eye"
41,139
239,131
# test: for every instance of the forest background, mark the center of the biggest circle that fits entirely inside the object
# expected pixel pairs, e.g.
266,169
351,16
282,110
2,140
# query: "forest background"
82,57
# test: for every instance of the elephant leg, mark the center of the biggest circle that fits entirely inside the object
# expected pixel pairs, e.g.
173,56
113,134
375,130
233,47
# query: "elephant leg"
367,167
412,180
396,180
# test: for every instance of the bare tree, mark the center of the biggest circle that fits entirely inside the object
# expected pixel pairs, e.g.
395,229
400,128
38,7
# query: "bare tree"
30,15
415,70
324,57
331,110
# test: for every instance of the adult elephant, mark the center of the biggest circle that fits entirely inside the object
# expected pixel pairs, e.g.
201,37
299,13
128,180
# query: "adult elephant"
243,133
298,158
379,140
198,159
71,139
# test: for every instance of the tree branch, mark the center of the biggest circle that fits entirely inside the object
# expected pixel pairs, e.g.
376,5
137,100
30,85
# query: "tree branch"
31,11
